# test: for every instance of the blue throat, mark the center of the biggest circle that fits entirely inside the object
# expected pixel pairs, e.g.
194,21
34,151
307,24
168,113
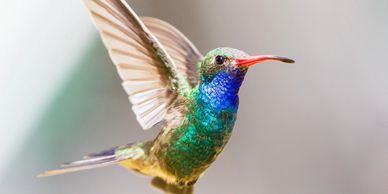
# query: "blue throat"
217,101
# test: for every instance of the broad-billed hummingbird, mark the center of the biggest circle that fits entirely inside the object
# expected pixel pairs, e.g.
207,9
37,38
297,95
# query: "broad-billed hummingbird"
194,97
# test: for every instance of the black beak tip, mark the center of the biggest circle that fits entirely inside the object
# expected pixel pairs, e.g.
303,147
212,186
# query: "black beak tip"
287,60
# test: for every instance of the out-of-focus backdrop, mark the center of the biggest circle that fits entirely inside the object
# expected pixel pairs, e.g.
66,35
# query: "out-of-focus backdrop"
316,127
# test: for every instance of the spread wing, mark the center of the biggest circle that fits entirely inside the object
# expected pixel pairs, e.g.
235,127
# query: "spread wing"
150,75
182,51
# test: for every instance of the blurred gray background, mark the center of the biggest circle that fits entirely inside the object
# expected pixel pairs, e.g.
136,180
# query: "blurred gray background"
319,126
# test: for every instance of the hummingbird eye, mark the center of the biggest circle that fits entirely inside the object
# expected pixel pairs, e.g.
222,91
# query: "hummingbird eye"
219,60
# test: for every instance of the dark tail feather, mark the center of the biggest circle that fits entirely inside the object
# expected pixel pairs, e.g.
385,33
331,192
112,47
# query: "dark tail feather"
96,160
86,164
103,153
108,152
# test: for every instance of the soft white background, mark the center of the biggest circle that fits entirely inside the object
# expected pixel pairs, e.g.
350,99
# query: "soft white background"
316,127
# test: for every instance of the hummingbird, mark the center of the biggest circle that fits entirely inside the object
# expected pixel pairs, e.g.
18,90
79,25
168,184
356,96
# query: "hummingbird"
192,98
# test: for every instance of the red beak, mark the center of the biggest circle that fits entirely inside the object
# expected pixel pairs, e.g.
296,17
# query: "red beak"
251,60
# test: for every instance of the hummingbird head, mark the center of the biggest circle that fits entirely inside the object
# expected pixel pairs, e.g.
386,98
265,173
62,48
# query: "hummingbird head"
222,72
232,62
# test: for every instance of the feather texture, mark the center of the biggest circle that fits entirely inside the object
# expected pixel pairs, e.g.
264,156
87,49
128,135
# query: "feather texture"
95,162
150,76
184,54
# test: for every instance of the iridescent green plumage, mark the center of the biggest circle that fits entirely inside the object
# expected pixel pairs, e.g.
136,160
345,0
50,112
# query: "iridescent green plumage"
184,150
208,120
198,108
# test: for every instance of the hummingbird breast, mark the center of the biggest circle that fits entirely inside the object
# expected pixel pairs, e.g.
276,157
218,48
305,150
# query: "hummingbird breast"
186,151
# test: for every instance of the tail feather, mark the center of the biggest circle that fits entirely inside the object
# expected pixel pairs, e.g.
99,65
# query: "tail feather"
69,169
107,152
86,164
101,159
89,161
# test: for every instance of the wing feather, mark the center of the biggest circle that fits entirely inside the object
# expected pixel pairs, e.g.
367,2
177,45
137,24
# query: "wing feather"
154,60
184,54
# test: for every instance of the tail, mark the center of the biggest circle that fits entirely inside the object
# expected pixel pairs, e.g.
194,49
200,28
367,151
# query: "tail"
97,160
